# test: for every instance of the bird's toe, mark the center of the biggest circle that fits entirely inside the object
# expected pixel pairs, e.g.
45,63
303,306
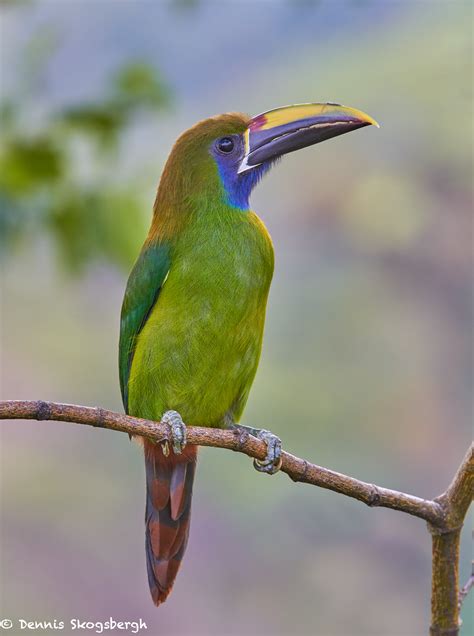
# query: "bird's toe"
272,462
177,430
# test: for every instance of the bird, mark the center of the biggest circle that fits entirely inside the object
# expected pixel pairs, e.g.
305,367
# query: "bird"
193,312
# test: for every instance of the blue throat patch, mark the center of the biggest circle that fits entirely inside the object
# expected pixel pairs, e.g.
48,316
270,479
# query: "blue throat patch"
239,186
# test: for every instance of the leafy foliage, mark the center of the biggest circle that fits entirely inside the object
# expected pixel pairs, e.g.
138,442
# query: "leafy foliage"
43,189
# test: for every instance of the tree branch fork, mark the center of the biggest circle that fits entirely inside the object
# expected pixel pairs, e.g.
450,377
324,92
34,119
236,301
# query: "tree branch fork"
444,514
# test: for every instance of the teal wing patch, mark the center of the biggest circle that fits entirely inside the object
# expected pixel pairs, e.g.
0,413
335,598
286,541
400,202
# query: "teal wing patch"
143,288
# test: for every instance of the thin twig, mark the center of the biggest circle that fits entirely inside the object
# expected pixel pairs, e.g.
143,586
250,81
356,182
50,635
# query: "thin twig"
466,588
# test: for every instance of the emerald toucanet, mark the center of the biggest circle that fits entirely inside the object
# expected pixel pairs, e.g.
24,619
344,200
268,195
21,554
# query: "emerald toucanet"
194,307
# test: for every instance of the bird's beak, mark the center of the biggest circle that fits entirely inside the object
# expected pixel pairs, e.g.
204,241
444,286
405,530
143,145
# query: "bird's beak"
283,130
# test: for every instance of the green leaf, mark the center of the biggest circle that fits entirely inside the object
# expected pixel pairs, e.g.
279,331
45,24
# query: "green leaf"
96,226
139,85
27,164
103,122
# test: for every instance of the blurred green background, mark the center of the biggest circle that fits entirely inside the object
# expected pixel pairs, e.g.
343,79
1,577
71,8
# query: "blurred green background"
367,365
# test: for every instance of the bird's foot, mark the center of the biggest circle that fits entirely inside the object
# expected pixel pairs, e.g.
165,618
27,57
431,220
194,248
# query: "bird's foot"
272,462
177,432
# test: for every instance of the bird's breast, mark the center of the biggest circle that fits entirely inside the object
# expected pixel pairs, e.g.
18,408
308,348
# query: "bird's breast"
200,347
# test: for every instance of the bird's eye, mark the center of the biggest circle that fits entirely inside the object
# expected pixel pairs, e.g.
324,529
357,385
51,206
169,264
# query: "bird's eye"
225,145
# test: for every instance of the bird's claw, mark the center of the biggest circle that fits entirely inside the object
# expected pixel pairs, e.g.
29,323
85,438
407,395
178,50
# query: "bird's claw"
177,430
272,462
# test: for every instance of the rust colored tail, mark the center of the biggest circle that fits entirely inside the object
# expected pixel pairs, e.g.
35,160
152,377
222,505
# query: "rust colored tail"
169,487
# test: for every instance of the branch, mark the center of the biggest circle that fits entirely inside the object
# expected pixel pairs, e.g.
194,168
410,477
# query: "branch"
445,595
445,514
297,469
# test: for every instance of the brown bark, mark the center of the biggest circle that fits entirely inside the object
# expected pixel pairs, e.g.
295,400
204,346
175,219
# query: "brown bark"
445,595
444,584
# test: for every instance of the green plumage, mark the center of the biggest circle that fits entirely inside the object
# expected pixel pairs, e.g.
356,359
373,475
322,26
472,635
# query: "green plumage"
191,327
141,294
198,351
194,309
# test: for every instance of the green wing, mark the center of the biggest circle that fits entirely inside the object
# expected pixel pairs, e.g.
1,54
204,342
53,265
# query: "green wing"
143,288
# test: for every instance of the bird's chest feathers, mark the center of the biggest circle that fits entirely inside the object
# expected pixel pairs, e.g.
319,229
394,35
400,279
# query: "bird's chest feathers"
224,270
198,351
